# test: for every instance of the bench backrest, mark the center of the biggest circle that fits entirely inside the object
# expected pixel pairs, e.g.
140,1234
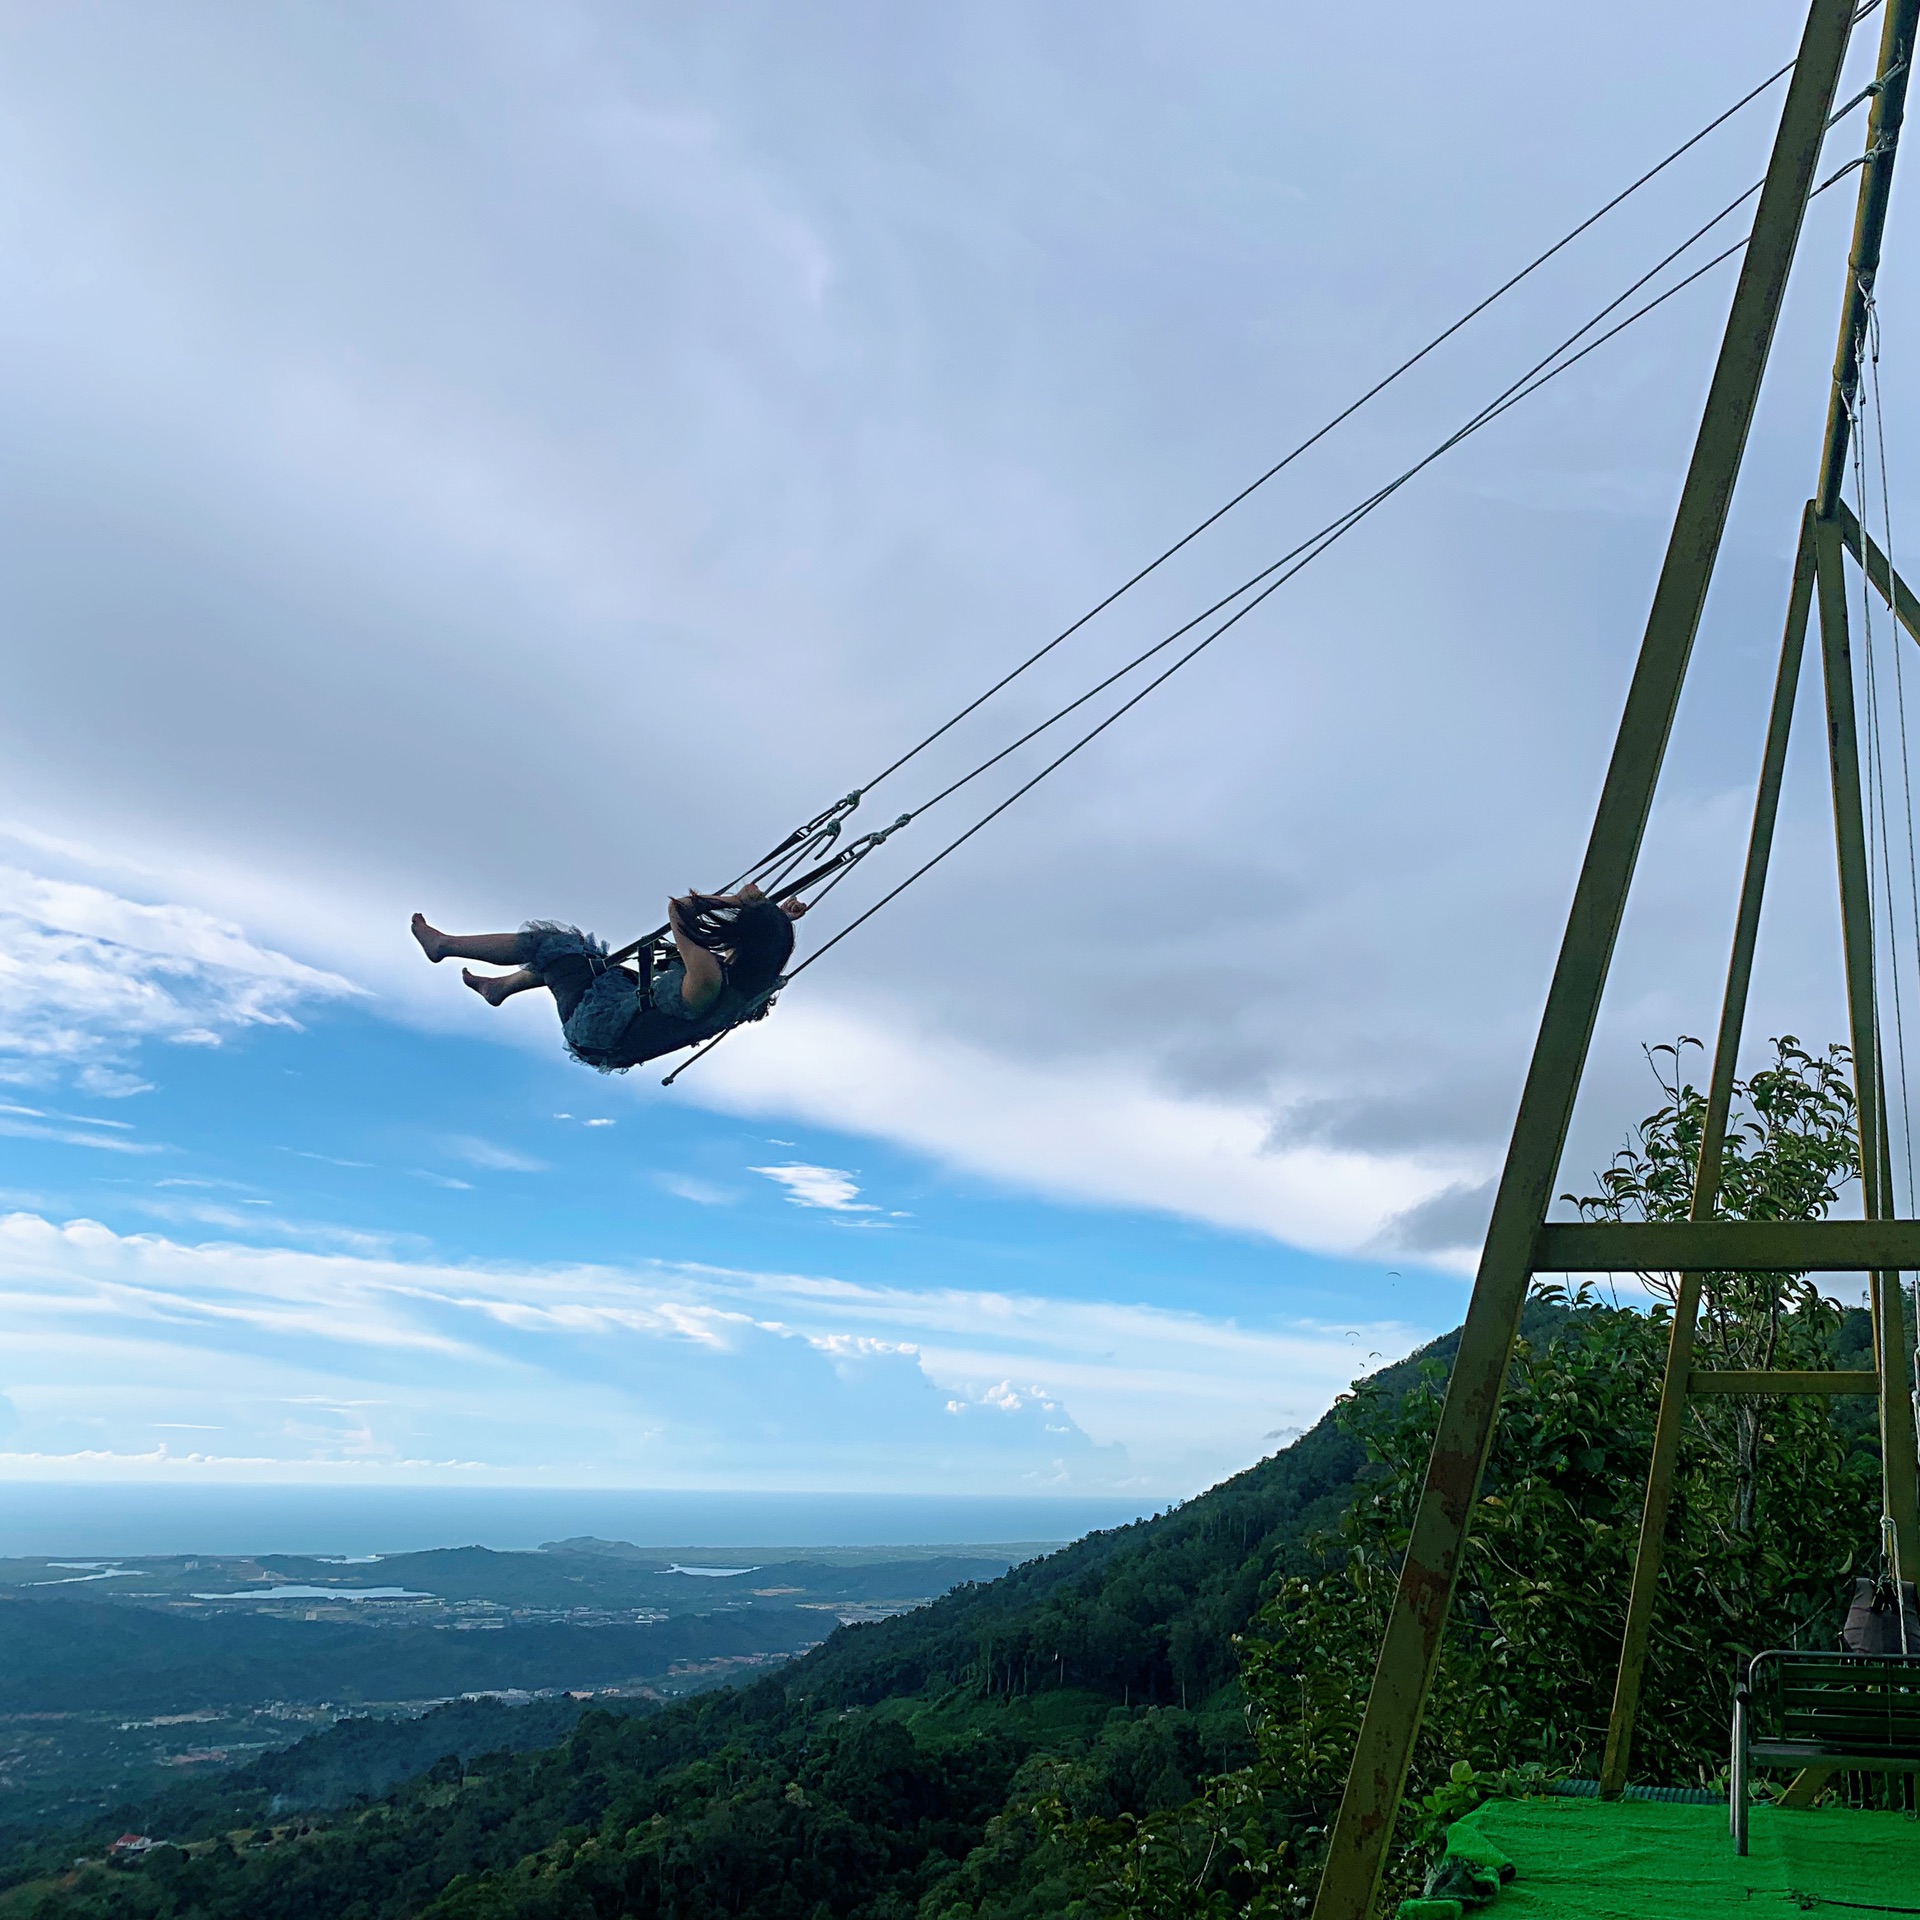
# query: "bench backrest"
1856,1704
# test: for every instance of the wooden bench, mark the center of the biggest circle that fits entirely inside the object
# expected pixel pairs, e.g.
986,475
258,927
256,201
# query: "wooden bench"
1828,1710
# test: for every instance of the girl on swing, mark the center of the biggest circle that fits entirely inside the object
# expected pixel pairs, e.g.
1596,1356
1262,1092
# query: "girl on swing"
731,949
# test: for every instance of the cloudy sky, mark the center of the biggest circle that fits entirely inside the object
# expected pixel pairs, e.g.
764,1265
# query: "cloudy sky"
515,460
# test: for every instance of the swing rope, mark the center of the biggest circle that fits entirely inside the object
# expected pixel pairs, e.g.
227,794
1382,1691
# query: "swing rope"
1347,412
1900,706
1253,592
841,807
1293,563
1876,1139
1879,836
1315,543
1872,318
1300,557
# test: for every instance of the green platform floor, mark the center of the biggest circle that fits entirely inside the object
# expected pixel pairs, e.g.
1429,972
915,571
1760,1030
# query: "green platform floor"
1647,1860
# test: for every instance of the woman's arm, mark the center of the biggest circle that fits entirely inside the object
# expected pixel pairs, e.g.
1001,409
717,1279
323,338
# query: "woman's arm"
704,979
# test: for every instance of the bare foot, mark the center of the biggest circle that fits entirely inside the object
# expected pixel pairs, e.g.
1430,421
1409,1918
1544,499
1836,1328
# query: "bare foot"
487,986
433,943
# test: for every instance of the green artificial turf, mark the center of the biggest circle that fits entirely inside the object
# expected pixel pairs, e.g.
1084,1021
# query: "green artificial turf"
1647,1860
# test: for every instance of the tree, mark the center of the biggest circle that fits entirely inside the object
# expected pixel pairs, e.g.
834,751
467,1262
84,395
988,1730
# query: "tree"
1776,1502
1791,1149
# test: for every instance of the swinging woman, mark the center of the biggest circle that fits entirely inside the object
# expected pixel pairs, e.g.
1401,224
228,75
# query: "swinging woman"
731,949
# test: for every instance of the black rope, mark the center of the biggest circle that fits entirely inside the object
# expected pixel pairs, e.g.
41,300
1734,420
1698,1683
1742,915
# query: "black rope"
1346,413
794,841
1900,709
1310,549
1319,544
1297,558
1247,585
1807,1901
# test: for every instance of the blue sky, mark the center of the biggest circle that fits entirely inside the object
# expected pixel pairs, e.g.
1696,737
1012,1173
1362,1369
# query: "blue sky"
341,1246
514,461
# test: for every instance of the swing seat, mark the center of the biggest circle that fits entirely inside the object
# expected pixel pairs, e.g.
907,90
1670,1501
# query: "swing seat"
1855,1710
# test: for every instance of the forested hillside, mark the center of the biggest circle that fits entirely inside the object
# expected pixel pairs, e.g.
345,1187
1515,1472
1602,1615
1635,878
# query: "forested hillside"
1075,1736
1140,1619
70,1655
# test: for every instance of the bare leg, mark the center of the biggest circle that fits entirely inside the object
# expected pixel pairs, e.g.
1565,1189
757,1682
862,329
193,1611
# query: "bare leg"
493,988
496,949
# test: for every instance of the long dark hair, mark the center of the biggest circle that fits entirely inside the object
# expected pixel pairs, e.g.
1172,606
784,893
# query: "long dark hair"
754,942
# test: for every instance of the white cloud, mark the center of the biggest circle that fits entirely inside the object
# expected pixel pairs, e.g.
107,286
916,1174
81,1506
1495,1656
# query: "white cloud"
1088,1129
492,1156
757,369
826,1187
86,975
656,1374
24,1123
703,1193
206,1213
78,1119
443,1180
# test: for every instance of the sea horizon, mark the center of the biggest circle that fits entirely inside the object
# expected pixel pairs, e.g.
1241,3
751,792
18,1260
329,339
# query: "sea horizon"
130,1519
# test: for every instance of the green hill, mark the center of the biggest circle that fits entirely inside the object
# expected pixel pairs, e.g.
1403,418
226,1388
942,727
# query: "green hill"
73,1656
940,1764
1115,1653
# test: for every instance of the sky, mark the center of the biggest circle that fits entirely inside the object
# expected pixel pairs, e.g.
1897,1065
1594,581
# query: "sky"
517,461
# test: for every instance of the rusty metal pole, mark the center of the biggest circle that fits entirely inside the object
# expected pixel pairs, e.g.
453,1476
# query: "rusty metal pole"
1883,133
1410,1648
1884,121
1900,1473
1706,1179
1888,584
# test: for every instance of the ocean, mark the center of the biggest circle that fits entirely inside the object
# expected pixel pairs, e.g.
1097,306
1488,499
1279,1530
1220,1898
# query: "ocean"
100,1520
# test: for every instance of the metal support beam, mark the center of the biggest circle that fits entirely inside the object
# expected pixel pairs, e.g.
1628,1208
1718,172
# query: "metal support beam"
1727,1246
1900,1474
1679,1374
1892,1343
1893,1356
1430,1570
1836,1381
1891,588
1850,848
1884,119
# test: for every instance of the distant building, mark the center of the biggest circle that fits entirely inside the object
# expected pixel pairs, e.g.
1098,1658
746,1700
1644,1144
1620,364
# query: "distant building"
131,1843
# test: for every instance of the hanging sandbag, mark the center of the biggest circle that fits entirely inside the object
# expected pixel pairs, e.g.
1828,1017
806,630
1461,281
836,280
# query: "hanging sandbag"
1873,1624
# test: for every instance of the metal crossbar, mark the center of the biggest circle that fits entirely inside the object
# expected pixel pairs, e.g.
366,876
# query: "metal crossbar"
1727,1246
1839,1380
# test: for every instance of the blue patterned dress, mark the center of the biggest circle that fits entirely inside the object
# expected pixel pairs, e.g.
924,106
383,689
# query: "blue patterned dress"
611,1020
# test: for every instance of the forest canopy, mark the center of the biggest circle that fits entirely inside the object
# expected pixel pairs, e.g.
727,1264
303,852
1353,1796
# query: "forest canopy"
1156,1721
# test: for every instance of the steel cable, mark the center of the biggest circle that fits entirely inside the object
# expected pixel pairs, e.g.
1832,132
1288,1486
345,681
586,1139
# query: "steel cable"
1290,564
1301,557
1346,413
774,859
